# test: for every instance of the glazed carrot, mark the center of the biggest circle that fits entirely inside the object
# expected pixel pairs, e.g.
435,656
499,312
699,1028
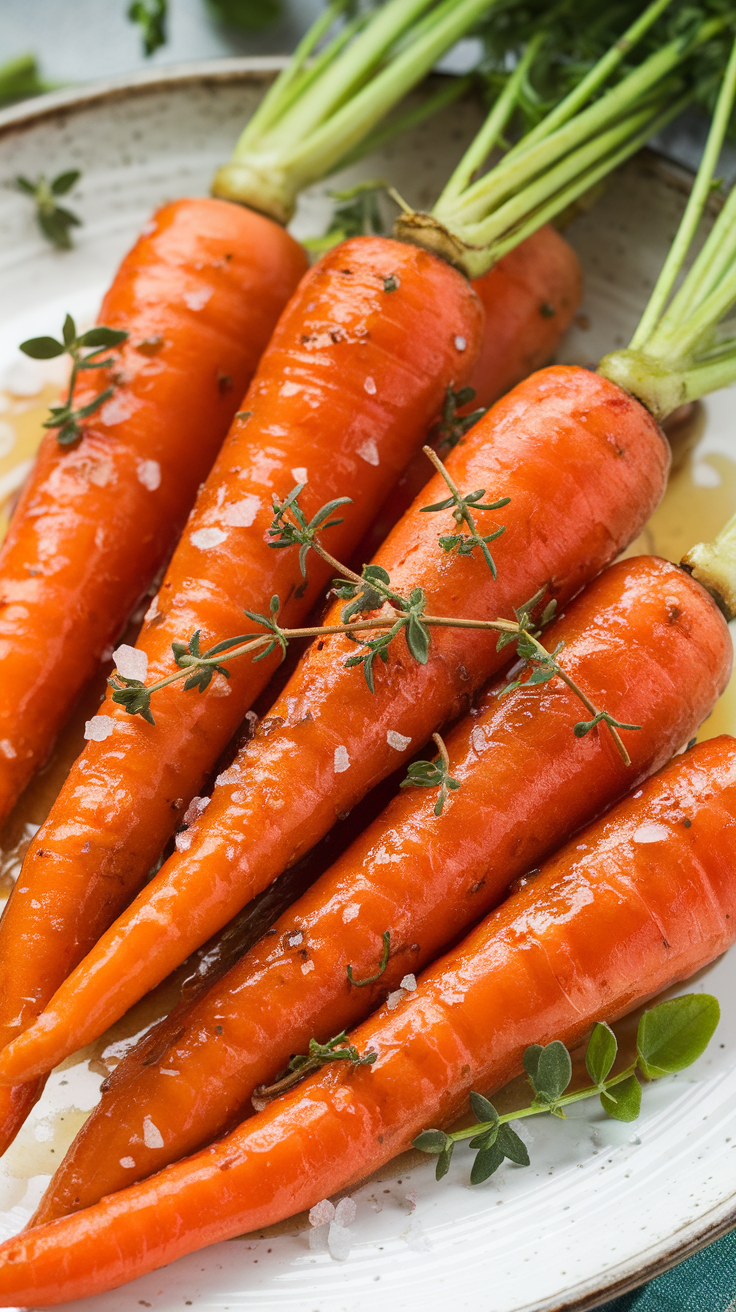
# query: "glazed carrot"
308,417
199,295
641,899
645,640
530,298
577,496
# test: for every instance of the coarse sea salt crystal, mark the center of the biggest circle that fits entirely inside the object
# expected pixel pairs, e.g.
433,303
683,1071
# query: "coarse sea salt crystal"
307,966
350,912
197,299
183,841
240,514
195,809
230,776
204,538
368,451
409,982
149,474
289,389
393,999
339,1241
342,760
98,729
295,939
130,662
299,474
460,343
345,1211
152,1136
653,833
127,1163
397,740
370,386
322,1212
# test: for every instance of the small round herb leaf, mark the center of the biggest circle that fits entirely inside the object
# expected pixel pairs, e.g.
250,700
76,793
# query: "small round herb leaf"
512,1146
431,1141
487,1161
102,337
443,1161
483,1110
554,1070
601,1052
42,348
674,1034
531,1062
64,182
623,1101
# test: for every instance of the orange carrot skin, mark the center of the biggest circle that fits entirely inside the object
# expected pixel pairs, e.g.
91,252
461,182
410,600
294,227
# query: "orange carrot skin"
584,465
646,641
610,921
312,408
530,298
199,295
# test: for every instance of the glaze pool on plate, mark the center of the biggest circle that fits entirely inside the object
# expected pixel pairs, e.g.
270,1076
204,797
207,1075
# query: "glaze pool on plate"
602,1201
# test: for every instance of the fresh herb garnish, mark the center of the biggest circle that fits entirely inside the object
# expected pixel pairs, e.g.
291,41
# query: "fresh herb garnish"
320,1054
670,1037
151,17
433,774
464,543
84,351
54,220
361,983
358,216
452,426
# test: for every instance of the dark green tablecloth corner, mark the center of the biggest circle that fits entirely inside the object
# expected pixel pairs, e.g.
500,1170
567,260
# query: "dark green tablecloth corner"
706,1282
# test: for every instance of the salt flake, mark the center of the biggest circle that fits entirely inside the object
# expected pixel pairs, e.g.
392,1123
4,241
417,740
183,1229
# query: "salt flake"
322,1212
307,966
370,386
195,809
393,999
127,1163
409,982
98,729
350,912
368,451
342,760
397,740
651,833
131,662
240,514
345,1211
152,1136
460,343
204,538
149,474
299,474
197,299
183,841
339,1241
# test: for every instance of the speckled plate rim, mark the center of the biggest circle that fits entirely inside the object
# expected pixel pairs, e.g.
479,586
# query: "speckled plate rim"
256,68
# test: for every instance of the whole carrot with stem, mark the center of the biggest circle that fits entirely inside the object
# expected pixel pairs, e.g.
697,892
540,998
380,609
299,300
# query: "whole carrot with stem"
125,797
645,640
643,898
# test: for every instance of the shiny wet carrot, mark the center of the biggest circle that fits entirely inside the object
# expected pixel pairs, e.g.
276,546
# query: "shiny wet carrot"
530,298
198,295
583,466
349,384
641,899
645,640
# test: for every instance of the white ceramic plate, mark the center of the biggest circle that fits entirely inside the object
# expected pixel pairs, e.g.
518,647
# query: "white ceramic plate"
603,1204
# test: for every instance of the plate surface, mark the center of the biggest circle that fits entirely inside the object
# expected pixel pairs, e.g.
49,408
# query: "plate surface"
603,1204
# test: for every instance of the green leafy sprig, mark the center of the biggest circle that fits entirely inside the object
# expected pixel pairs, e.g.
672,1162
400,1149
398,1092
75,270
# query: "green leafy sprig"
84,351
451,426
464,543
364,593
433,774
371,979
54,220
358,215
320,1054
151,17
670,1037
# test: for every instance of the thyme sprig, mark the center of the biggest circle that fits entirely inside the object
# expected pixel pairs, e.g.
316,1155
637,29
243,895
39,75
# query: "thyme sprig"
670,1037
451,425
464,543
371,979
320,1054
54,220
151,17
84,350
433,774
364,593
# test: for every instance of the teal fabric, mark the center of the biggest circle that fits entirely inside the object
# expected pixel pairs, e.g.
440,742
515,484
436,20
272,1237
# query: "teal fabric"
705,1282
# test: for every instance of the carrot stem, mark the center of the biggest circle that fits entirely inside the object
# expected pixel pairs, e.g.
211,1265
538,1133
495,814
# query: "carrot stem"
713,564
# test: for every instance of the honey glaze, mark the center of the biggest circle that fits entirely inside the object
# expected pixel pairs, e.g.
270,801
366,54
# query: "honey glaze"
21,431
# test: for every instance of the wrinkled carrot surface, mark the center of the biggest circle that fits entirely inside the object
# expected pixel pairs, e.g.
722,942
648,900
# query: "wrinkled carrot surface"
644,640
199,296
530,298
351,380
642,898
584,466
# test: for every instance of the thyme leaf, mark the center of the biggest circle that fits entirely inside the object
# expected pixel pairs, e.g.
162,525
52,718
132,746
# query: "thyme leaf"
151,17
433,774
84,350
320,1054
54,220
451,427
464,543
671,1036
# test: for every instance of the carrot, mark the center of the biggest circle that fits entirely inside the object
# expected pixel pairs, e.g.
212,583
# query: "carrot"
577,496
199,296
308,417
641,899
643,638
530,298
